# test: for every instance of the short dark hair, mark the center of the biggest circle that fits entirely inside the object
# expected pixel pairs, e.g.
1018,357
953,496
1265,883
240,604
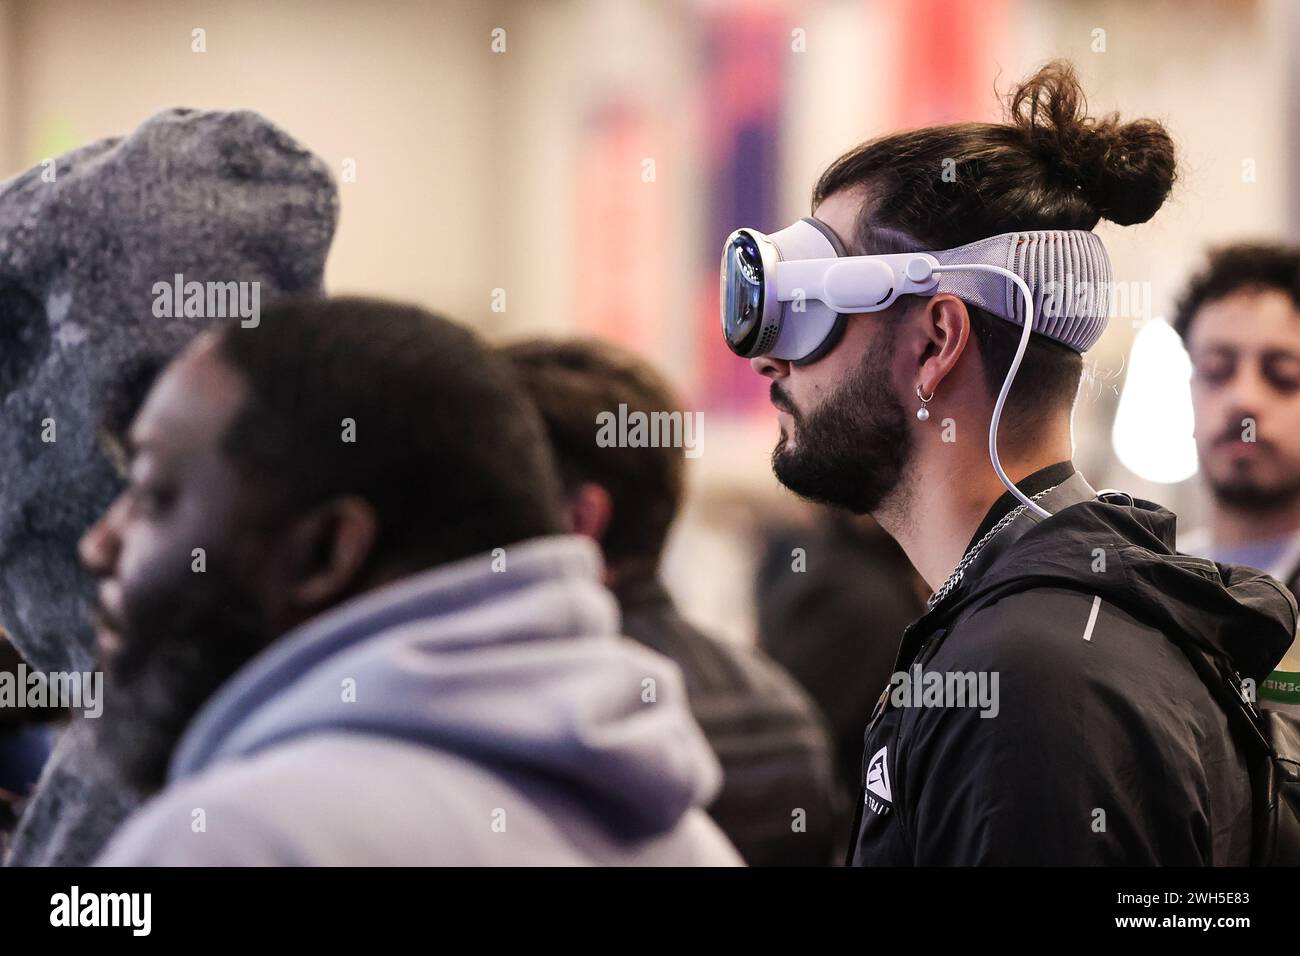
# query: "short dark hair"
1253,266
1048,377
572,382
448,449
1050,166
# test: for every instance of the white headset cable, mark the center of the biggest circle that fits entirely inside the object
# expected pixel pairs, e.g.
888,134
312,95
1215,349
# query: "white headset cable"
1027,331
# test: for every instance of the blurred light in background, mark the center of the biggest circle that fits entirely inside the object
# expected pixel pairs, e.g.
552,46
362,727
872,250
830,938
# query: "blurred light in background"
1153,424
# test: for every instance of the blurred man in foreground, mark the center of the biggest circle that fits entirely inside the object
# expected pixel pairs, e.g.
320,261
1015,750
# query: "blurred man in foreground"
779,800
1240,321
339,617
222,206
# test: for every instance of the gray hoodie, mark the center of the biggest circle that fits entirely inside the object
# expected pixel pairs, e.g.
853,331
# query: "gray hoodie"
480,713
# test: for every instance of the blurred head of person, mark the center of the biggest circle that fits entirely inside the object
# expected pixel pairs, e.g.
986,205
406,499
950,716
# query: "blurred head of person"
226,199
277,471
1240,321
848,433
624,498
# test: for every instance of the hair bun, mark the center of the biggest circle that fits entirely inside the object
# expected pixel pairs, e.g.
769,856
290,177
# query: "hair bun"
1125,170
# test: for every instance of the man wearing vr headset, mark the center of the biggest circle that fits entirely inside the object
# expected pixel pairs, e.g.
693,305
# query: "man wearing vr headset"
1043,710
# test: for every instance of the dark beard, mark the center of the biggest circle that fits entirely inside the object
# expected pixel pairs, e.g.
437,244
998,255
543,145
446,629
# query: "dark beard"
1253,498
174,655
852,450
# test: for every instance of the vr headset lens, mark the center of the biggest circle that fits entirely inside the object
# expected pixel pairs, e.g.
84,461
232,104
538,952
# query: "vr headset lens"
742,291
754,320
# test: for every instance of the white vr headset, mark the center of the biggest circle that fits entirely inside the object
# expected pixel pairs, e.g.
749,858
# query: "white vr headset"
789,294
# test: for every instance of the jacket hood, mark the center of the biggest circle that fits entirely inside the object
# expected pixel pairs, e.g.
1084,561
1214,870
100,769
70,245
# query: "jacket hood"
1122,549
87,242
516,666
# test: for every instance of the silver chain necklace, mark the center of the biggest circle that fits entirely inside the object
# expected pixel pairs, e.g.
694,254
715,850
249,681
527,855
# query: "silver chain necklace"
959,572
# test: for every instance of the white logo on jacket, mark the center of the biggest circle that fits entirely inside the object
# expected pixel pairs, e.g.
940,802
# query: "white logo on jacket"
878,783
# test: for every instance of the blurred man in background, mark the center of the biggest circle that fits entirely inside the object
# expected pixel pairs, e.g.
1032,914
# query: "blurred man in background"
339,615
779,802
833,598
1240,321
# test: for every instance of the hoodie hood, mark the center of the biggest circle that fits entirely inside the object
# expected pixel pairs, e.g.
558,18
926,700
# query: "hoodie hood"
87,241
1122,549
510,659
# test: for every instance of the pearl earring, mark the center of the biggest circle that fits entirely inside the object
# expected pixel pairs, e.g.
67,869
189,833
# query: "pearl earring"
923,413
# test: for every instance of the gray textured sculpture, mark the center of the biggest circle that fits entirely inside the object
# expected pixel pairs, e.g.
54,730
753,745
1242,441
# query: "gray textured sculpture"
212,196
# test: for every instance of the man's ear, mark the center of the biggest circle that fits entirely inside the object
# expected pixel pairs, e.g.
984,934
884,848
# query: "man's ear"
945,324
330,546
590,511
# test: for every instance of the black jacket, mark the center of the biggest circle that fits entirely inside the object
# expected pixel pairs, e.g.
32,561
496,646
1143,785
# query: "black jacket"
1106,748
780,803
